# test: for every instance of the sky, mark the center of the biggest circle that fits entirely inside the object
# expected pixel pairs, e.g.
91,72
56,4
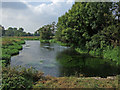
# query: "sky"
32,15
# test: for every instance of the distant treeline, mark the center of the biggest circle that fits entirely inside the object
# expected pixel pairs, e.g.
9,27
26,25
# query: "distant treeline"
15,32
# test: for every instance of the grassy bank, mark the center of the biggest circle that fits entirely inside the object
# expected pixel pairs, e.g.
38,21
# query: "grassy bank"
29,38
19,77
81,82
108,53
30,78
10,46
54,41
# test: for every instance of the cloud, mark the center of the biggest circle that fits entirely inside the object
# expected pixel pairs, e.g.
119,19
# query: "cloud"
31,16
14,5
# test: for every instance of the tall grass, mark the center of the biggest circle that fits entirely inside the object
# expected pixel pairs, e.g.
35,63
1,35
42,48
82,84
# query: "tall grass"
19,77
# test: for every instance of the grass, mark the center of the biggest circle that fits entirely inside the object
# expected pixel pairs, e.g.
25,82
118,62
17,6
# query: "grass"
19,77
54,41
75,82
29,38
109,53
10,46
30,78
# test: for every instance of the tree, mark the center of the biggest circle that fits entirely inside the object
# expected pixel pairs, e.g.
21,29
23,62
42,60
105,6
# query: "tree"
2,30
47,31
82,21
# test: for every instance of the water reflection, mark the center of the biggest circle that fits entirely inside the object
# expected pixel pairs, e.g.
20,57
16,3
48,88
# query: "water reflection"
73,63
47,46
56,60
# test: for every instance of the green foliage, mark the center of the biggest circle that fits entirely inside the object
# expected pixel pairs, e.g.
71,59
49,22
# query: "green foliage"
112,34
79,24
6,57
62,44
47,31
14,32
82,29
10,47
96,52
112,53
52,41
44,41
21,42
15,46
84,51
3,63
24,78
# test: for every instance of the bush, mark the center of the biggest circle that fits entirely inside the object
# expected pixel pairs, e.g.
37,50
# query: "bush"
20,42
52,40
10,51
16,46
112,53
83,51
44,41
6,57
3,62
19,77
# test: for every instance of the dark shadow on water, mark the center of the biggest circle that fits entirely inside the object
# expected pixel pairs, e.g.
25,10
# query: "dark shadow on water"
73,63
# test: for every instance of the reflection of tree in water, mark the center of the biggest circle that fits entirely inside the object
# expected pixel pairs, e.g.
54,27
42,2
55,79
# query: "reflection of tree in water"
74,63
46,46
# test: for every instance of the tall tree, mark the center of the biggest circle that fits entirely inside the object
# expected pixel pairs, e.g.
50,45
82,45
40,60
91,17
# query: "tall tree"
82,21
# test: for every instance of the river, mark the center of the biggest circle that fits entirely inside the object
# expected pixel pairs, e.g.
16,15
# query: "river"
58,61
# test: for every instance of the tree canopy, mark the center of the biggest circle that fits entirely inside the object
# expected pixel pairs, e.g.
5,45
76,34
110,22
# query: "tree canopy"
89,24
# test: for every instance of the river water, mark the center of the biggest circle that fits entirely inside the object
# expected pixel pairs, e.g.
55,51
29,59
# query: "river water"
58,61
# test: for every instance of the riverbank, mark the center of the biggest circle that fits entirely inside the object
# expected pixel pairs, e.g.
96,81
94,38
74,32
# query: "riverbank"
30,78
54,41
78,82
10,47
109,52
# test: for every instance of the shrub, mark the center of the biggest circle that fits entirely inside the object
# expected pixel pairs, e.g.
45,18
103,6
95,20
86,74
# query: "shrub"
52,40
81,50
20,42
10,51
112,53
6,57
16,46
19,77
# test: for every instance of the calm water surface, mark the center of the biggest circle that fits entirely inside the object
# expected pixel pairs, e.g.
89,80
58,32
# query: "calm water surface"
56,60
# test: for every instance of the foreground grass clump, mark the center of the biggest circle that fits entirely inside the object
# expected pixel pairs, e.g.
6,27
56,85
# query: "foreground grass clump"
19,77
74,82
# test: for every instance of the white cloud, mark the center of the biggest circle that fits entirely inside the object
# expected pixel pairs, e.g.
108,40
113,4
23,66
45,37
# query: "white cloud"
34,16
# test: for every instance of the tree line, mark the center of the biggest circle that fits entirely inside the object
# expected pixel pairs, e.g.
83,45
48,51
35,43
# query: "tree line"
15,32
